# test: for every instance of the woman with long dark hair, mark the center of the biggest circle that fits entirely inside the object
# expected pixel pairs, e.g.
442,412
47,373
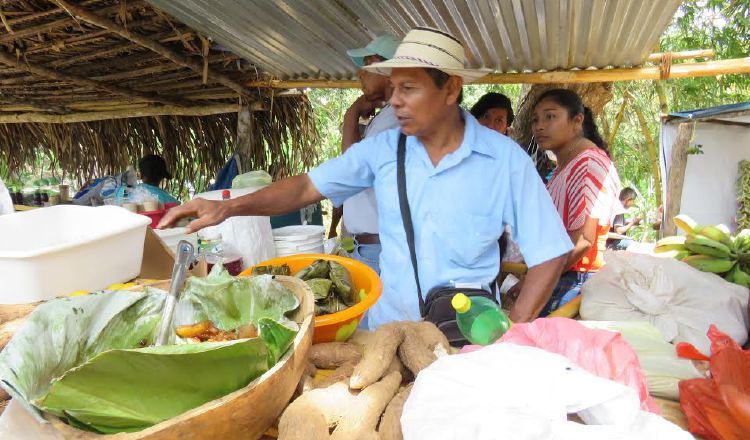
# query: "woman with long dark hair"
584,187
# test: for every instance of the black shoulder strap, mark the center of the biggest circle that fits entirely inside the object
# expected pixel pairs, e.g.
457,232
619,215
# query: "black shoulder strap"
406,212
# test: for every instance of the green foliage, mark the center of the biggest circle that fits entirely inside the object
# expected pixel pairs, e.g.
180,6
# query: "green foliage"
723,26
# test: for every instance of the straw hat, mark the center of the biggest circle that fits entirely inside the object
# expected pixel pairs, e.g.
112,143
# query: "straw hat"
429,48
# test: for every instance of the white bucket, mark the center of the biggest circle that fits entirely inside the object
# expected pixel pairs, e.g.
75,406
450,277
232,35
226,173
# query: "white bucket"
304,239
299,233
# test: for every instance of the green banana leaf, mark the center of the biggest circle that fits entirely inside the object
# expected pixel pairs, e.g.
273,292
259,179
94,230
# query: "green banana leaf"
86,359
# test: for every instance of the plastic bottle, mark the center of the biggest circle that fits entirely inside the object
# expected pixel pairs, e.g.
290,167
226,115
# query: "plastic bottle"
480,320
215,251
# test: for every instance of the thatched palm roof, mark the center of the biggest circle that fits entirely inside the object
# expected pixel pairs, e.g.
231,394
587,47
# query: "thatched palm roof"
73,73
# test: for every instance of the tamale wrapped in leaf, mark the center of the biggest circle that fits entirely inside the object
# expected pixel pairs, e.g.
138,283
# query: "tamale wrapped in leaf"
319,269
342,283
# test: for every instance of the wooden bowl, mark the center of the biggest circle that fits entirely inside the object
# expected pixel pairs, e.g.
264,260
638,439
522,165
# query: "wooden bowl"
244,414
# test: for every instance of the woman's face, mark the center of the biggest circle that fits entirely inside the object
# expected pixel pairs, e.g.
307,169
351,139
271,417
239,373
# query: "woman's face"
552,126
496,119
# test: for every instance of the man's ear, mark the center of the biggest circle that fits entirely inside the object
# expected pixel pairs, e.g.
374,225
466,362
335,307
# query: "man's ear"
453,85
509,131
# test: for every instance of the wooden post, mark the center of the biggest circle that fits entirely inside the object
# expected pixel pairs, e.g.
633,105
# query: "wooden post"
663,104
676,177
245,137
652,155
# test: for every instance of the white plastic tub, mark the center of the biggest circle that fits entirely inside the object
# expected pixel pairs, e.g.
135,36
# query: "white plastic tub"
55,251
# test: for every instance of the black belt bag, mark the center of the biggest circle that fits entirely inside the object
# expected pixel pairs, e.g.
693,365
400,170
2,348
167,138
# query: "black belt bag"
436,308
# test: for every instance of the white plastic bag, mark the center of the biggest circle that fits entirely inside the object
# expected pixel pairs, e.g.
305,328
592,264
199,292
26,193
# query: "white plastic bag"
681,302
252,179
507,391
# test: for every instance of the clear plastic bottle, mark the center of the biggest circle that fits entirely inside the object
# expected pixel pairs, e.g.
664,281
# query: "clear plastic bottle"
215,251
480,320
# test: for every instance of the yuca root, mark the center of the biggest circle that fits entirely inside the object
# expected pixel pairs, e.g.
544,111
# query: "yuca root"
366,409
390,424
330,355
414,353
377,356
432,336
340,374
419,349
355,415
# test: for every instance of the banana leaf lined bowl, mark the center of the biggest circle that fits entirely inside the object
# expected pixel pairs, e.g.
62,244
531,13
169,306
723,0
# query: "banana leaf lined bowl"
337,326
243,414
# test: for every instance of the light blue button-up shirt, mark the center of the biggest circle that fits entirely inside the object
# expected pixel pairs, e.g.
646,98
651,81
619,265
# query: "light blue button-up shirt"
459,209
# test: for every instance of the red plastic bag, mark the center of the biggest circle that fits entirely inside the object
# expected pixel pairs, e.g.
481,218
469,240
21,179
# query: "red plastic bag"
600,352
719,408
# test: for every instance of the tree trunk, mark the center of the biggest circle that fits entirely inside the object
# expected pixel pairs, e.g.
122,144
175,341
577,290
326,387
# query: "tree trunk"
594,95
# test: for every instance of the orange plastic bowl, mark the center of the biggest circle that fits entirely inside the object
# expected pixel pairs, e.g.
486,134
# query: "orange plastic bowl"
337,326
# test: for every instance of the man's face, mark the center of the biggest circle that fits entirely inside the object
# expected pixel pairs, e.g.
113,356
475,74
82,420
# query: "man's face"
496,119
628,203
373,85
420,105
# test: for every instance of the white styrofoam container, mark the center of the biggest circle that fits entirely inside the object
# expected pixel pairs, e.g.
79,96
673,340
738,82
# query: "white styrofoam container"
55,251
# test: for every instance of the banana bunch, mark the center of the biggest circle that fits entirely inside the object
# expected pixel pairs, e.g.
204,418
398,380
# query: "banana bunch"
710,248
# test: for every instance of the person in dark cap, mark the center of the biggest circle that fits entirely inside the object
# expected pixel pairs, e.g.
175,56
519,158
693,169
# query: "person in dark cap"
494,111
153,171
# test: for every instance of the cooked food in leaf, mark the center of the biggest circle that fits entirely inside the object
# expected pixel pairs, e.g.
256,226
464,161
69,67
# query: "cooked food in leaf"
321,287
272,270
206,331
319,269
331,284
342,283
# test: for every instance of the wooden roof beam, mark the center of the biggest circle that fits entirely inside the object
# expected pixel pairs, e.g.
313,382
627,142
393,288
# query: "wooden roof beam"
4,99
10,60
149,43
684,70
61,23
162,110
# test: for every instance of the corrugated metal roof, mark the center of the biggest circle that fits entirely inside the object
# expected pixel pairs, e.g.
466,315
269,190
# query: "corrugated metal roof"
712,112
294,39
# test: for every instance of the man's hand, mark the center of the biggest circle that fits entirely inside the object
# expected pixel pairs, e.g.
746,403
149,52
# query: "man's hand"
207,213
364,107
637,221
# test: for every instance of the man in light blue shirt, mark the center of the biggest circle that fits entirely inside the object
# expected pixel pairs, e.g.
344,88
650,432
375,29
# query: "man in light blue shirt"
464,184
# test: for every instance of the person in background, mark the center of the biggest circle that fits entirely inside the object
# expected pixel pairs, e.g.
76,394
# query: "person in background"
494,111
360,212
619,226
6,202
584,187
153,172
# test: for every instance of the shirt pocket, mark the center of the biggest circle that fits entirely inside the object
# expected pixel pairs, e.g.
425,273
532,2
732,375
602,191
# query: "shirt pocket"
471,236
